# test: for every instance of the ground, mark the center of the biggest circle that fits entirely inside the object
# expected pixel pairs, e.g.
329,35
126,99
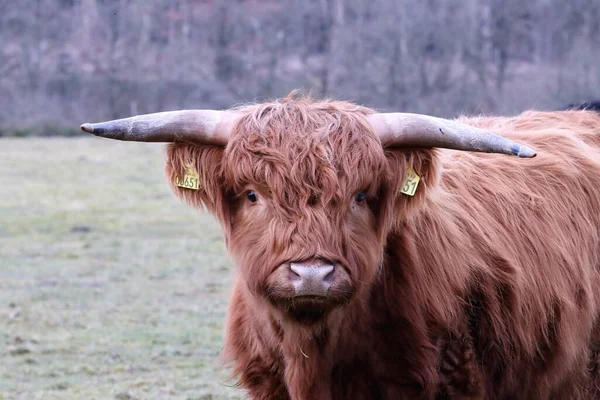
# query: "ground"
110,287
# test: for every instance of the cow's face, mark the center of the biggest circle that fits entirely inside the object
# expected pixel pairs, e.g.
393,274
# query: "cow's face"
306,215
305,202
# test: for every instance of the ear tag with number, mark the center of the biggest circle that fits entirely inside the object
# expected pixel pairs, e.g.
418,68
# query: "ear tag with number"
410,184
191,178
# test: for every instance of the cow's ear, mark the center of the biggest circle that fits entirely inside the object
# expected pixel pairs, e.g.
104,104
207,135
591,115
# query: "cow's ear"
407,191
195,174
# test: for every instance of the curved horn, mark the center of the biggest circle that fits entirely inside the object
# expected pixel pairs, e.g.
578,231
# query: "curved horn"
195,126
416,130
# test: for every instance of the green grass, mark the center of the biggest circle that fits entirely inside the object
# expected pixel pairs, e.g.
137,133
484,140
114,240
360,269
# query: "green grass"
110,287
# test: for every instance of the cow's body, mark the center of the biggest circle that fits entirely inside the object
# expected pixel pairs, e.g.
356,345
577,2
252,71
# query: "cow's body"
489,288
485,284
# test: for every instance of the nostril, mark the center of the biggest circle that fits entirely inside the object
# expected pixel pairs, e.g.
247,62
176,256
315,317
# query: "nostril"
324,272
297,271
329,275
294,274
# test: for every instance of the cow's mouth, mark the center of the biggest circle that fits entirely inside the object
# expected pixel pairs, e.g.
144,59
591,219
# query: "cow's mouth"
309,309
311,298
307,290
310,303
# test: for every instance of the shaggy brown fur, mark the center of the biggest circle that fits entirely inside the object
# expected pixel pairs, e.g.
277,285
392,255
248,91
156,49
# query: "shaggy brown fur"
483,285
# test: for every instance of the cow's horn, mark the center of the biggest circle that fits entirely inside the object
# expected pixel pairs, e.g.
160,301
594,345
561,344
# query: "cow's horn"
416,130
192,126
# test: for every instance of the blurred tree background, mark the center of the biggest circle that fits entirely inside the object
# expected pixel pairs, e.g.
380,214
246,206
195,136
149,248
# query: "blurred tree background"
63,62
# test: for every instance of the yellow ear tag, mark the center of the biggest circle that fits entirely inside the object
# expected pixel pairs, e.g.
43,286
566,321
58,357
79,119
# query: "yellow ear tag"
191,179
410,184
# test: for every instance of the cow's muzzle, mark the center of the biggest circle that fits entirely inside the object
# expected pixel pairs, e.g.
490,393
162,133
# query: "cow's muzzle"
311,277
308,289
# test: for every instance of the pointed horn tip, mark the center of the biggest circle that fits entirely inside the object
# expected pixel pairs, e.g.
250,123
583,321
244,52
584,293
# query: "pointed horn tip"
87,127
523,151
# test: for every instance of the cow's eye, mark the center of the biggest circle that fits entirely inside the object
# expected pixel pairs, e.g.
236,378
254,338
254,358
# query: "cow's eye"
252,197
360,197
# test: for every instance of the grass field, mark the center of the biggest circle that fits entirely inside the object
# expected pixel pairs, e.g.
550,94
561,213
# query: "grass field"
110,288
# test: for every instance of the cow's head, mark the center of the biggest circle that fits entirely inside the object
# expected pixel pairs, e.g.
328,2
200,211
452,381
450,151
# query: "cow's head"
306,191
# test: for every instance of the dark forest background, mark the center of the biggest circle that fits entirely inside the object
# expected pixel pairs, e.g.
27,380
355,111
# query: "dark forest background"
64,62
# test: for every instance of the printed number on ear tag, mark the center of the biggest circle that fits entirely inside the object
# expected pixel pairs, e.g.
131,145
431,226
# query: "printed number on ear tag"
190,180
410,184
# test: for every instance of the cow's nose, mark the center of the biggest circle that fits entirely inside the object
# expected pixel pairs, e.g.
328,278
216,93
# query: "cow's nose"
311,278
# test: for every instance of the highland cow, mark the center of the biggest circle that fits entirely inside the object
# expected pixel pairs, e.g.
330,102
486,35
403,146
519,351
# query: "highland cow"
475,278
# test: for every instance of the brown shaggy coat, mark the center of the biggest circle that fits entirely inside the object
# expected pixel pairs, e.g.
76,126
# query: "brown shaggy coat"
485,284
